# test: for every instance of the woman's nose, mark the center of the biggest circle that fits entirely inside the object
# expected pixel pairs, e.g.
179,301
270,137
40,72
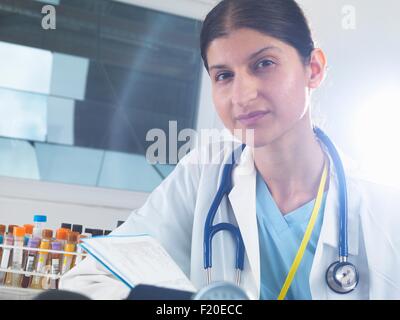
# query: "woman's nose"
244,90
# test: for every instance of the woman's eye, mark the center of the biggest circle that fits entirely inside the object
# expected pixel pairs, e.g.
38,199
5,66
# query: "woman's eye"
264,64
223,76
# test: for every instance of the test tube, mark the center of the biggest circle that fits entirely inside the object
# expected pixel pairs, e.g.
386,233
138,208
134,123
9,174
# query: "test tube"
11,229
14,279
47,234
28,233
70,246
41,263
39,221
30,262
68,258
2,230
61,235
6,257
55,263
73,237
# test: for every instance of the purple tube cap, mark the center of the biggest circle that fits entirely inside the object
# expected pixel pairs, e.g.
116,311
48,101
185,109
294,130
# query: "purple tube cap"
56,246
33,243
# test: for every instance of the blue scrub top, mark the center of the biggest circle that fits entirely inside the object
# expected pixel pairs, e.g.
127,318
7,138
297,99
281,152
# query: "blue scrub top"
280,237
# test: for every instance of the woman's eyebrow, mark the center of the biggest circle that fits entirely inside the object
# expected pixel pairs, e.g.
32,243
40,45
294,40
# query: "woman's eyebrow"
251,56
218,66
255,54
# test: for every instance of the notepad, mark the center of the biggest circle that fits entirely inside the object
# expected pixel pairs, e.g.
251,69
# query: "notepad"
137,259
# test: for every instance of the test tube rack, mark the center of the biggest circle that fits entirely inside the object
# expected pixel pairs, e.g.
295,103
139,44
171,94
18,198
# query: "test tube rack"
8,292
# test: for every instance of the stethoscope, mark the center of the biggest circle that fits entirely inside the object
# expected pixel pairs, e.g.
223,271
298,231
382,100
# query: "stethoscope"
341,276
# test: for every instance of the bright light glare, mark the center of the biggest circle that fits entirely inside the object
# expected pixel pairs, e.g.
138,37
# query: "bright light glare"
377,133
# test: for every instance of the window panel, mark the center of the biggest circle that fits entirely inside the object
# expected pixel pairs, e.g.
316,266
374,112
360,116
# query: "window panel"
128,171
86,94
18,159
25,68
23,115
68,164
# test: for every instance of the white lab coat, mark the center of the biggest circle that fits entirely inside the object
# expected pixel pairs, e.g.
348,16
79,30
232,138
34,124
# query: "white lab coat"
175,213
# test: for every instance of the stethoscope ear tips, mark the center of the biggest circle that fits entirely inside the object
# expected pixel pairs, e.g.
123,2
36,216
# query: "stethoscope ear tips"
342,277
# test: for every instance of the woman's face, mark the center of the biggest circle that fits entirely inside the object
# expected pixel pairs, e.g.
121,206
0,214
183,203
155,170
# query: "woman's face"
258,82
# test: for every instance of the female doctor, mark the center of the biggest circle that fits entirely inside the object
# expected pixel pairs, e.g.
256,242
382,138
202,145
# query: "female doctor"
299,240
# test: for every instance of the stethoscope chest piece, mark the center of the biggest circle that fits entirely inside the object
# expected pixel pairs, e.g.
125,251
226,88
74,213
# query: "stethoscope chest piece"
221,291
342,277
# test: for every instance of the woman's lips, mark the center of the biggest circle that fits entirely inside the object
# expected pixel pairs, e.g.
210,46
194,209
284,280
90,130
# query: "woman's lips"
251,118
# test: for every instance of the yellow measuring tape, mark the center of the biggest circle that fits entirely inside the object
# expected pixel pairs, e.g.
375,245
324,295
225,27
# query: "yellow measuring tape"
307,236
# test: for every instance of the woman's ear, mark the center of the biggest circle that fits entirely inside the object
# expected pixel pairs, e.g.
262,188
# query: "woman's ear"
317,67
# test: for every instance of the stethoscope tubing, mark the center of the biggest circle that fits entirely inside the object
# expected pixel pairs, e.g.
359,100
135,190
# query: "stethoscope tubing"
343,203
210,230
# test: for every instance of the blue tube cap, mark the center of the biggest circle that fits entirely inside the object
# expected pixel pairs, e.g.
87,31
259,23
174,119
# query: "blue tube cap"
38,218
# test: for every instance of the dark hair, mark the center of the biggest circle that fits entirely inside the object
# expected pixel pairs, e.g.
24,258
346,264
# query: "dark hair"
281,19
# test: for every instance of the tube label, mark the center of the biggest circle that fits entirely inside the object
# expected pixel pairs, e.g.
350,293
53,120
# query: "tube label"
29,264
5,258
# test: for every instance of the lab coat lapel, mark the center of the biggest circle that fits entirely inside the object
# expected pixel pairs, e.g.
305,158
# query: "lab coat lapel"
243,200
